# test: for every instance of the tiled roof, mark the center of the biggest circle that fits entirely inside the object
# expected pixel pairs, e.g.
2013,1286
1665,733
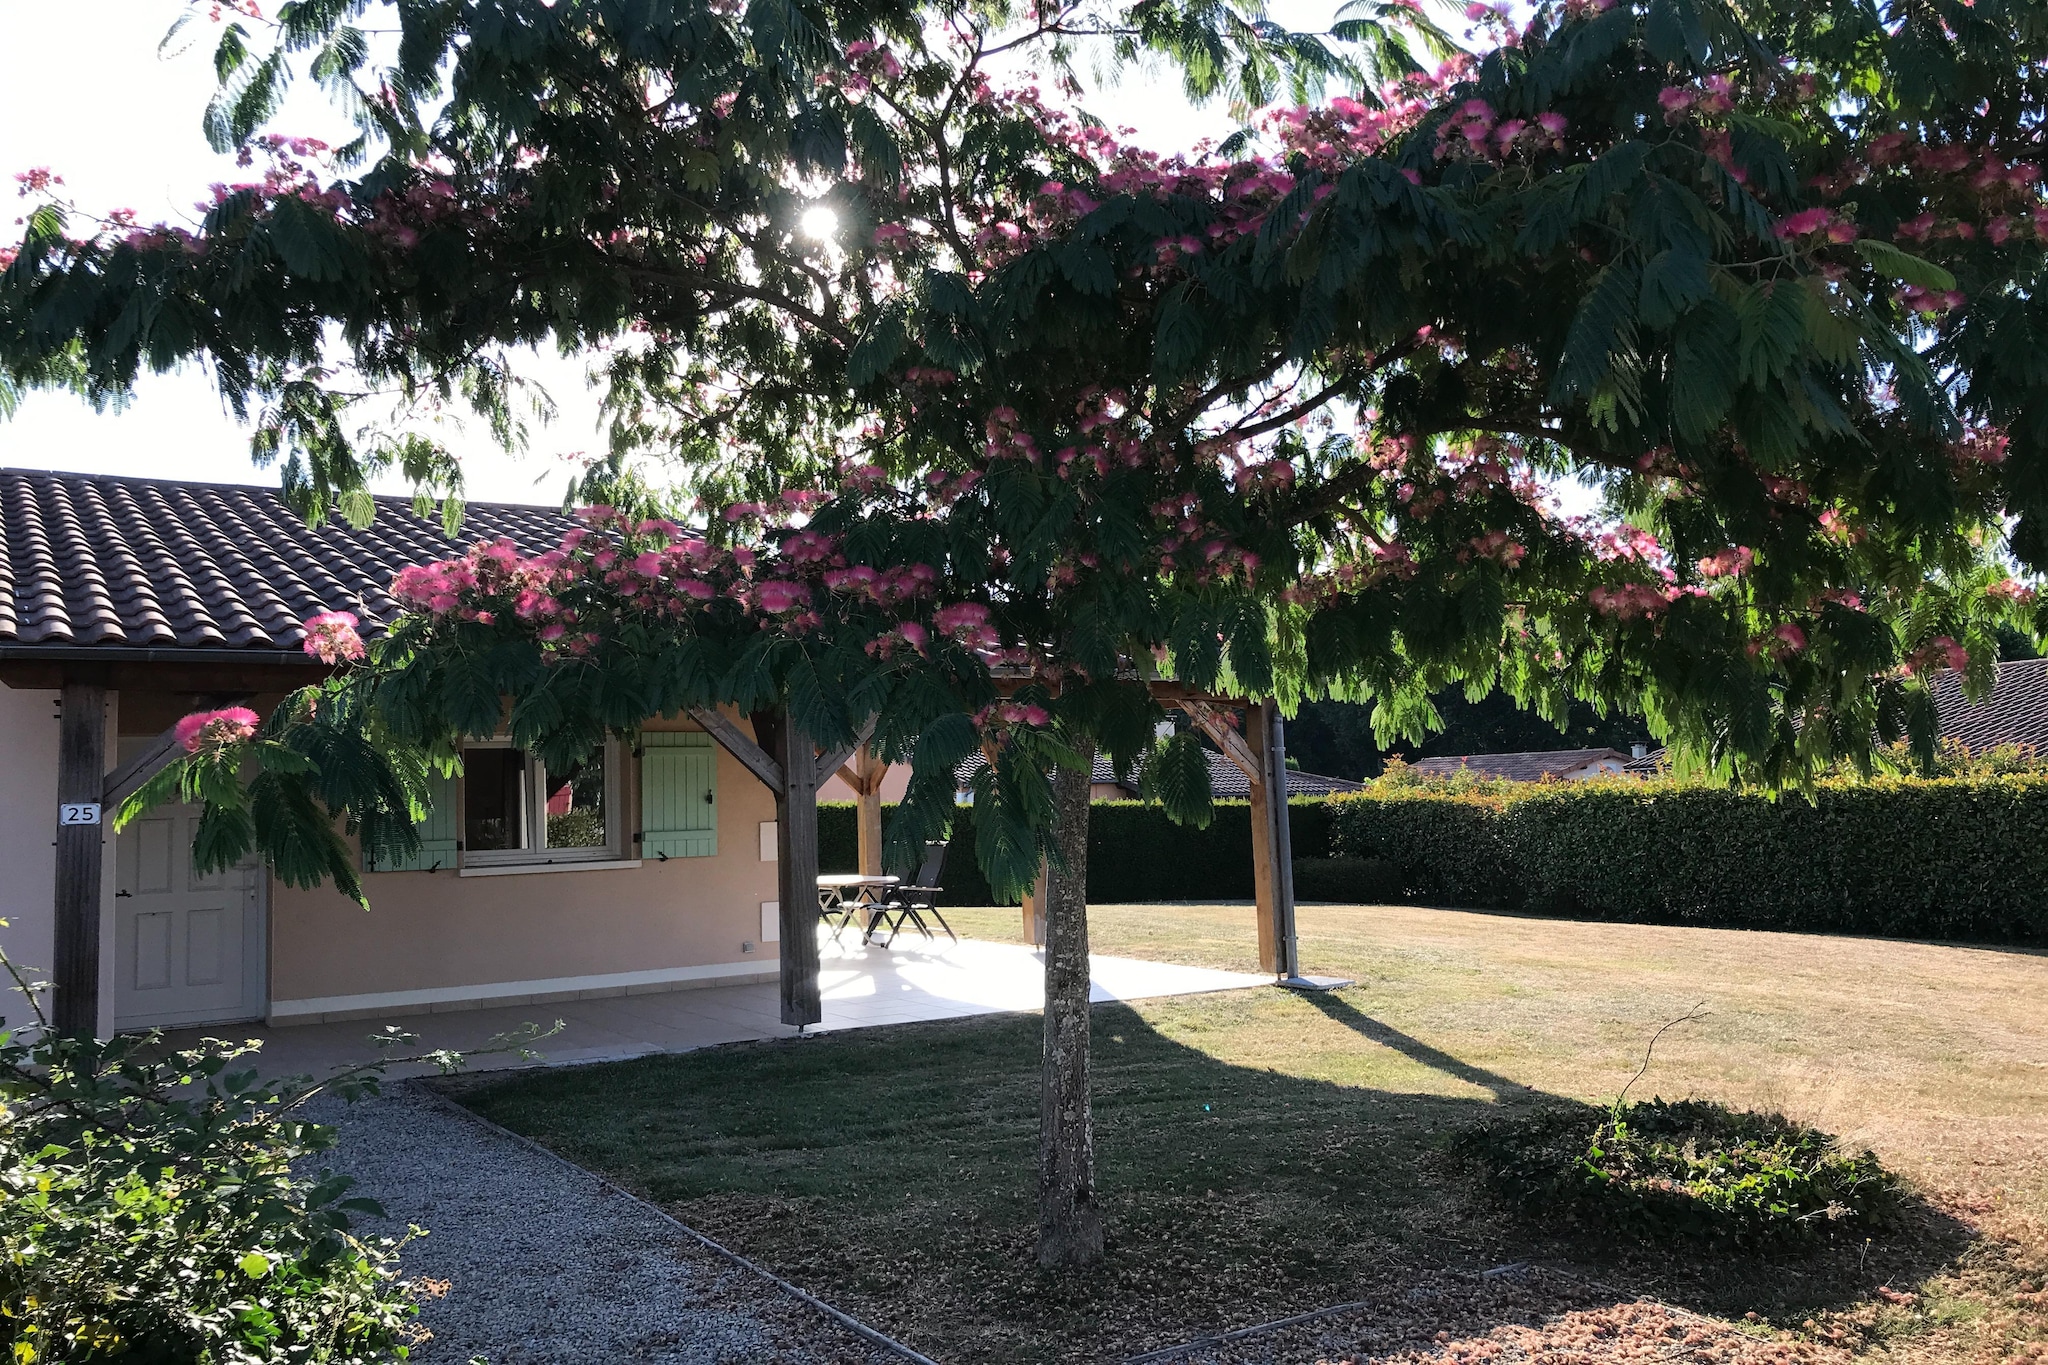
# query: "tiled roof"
90,561
1525,767
2016,711
1227,781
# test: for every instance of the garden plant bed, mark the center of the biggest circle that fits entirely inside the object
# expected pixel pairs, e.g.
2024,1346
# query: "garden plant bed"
1263,1153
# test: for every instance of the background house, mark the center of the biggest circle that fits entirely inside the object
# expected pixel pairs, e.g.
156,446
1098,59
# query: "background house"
2013,715
1561,765
1227,781
2015,712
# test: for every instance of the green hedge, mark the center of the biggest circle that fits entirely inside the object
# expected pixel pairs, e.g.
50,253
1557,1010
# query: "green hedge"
1956,858
1350,881
1134,852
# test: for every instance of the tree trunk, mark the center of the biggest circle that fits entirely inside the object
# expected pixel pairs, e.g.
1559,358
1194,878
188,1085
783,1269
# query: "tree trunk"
1069,1223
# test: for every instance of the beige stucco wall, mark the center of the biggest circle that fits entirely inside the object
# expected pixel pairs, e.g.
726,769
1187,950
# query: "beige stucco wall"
443,940
28,824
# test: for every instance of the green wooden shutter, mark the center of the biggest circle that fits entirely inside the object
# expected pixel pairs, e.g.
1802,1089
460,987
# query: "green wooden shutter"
678,795
438,832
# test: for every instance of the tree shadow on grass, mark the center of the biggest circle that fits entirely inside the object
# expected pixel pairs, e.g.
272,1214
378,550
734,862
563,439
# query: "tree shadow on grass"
891,1172
1700,1276
1333,1005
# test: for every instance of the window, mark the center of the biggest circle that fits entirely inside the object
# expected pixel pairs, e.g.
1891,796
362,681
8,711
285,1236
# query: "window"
516,810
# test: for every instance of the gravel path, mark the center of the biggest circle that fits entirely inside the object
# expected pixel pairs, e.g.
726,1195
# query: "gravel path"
546,1266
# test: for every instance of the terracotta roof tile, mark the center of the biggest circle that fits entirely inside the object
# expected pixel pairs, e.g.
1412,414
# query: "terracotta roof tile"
90,561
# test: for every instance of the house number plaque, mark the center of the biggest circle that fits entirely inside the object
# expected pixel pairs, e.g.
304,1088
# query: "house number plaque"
78,813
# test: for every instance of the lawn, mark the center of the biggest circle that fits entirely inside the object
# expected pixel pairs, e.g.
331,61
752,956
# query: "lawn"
1262,1153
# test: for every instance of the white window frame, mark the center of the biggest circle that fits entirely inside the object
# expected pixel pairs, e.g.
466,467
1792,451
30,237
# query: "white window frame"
611,851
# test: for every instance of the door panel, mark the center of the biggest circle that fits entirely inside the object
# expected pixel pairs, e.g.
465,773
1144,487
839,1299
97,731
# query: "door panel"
190,946
152,950
206,952
152,856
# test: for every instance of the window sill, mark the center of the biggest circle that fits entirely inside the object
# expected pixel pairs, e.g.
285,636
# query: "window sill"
566,865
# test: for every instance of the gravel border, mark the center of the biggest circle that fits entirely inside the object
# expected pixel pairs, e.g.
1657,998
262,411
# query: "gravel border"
546,1264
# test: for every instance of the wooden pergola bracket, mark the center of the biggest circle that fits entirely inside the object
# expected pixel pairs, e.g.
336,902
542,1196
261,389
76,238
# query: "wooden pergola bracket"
741,746
793,773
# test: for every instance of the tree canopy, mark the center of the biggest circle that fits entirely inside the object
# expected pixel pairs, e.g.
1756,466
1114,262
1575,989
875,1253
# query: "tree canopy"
981,414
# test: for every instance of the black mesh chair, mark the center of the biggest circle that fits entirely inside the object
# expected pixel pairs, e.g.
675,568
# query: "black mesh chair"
910,901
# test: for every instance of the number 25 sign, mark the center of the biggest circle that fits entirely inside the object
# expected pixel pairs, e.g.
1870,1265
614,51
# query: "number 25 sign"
78,813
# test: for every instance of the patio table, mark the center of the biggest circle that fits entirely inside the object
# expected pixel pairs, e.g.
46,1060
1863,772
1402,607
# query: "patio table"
849,893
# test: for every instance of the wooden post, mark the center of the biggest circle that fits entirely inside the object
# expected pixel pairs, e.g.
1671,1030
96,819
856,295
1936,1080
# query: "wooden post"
1264,882
81,779
1287,958
1034,910
868,771
796,874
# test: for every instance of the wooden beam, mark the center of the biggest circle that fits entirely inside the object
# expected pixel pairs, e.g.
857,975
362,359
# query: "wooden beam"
868,770
796,875
1034,909
1224,736
81,827
734,741
127,779
1287,962
1264,885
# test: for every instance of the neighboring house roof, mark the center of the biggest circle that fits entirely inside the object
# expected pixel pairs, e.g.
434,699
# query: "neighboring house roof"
1650,764
2015,712
1227,781
1524,767
95,562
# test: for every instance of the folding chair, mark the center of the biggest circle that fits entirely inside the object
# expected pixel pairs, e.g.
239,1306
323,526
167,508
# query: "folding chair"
839,913
913,900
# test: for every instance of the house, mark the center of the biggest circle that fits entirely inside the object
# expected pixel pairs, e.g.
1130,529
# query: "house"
1227,781
128,603
1561,765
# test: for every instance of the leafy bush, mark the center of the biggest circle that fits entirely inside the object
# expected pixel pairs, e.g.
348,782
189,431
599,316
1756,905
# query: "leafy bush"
1688,1169
1135,853
1961,858
150,1211
1353,881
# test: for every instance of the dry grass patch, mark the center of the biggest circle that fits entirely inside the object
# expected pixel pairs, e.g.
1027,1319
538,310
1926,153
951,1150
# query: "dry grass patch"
1263,1152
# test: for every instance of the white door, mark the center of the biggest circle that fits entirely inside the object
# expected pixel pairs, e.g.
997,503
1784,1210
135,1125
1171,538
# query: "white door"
189,947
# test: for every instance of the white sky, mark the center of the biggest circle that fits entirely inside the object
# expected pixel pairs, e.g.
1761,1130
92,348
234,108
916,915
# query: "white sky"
84,91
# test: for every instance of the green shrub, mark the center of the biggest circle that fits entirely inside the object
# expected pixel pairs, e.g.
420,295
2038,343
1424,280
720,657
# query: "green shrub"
150,1212
1352,881
1684,1170
1963,858
1135,853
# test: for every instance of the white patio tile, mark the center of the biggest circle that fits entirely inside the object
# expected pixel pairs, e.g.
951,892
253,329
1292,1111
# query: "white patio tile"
871,987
